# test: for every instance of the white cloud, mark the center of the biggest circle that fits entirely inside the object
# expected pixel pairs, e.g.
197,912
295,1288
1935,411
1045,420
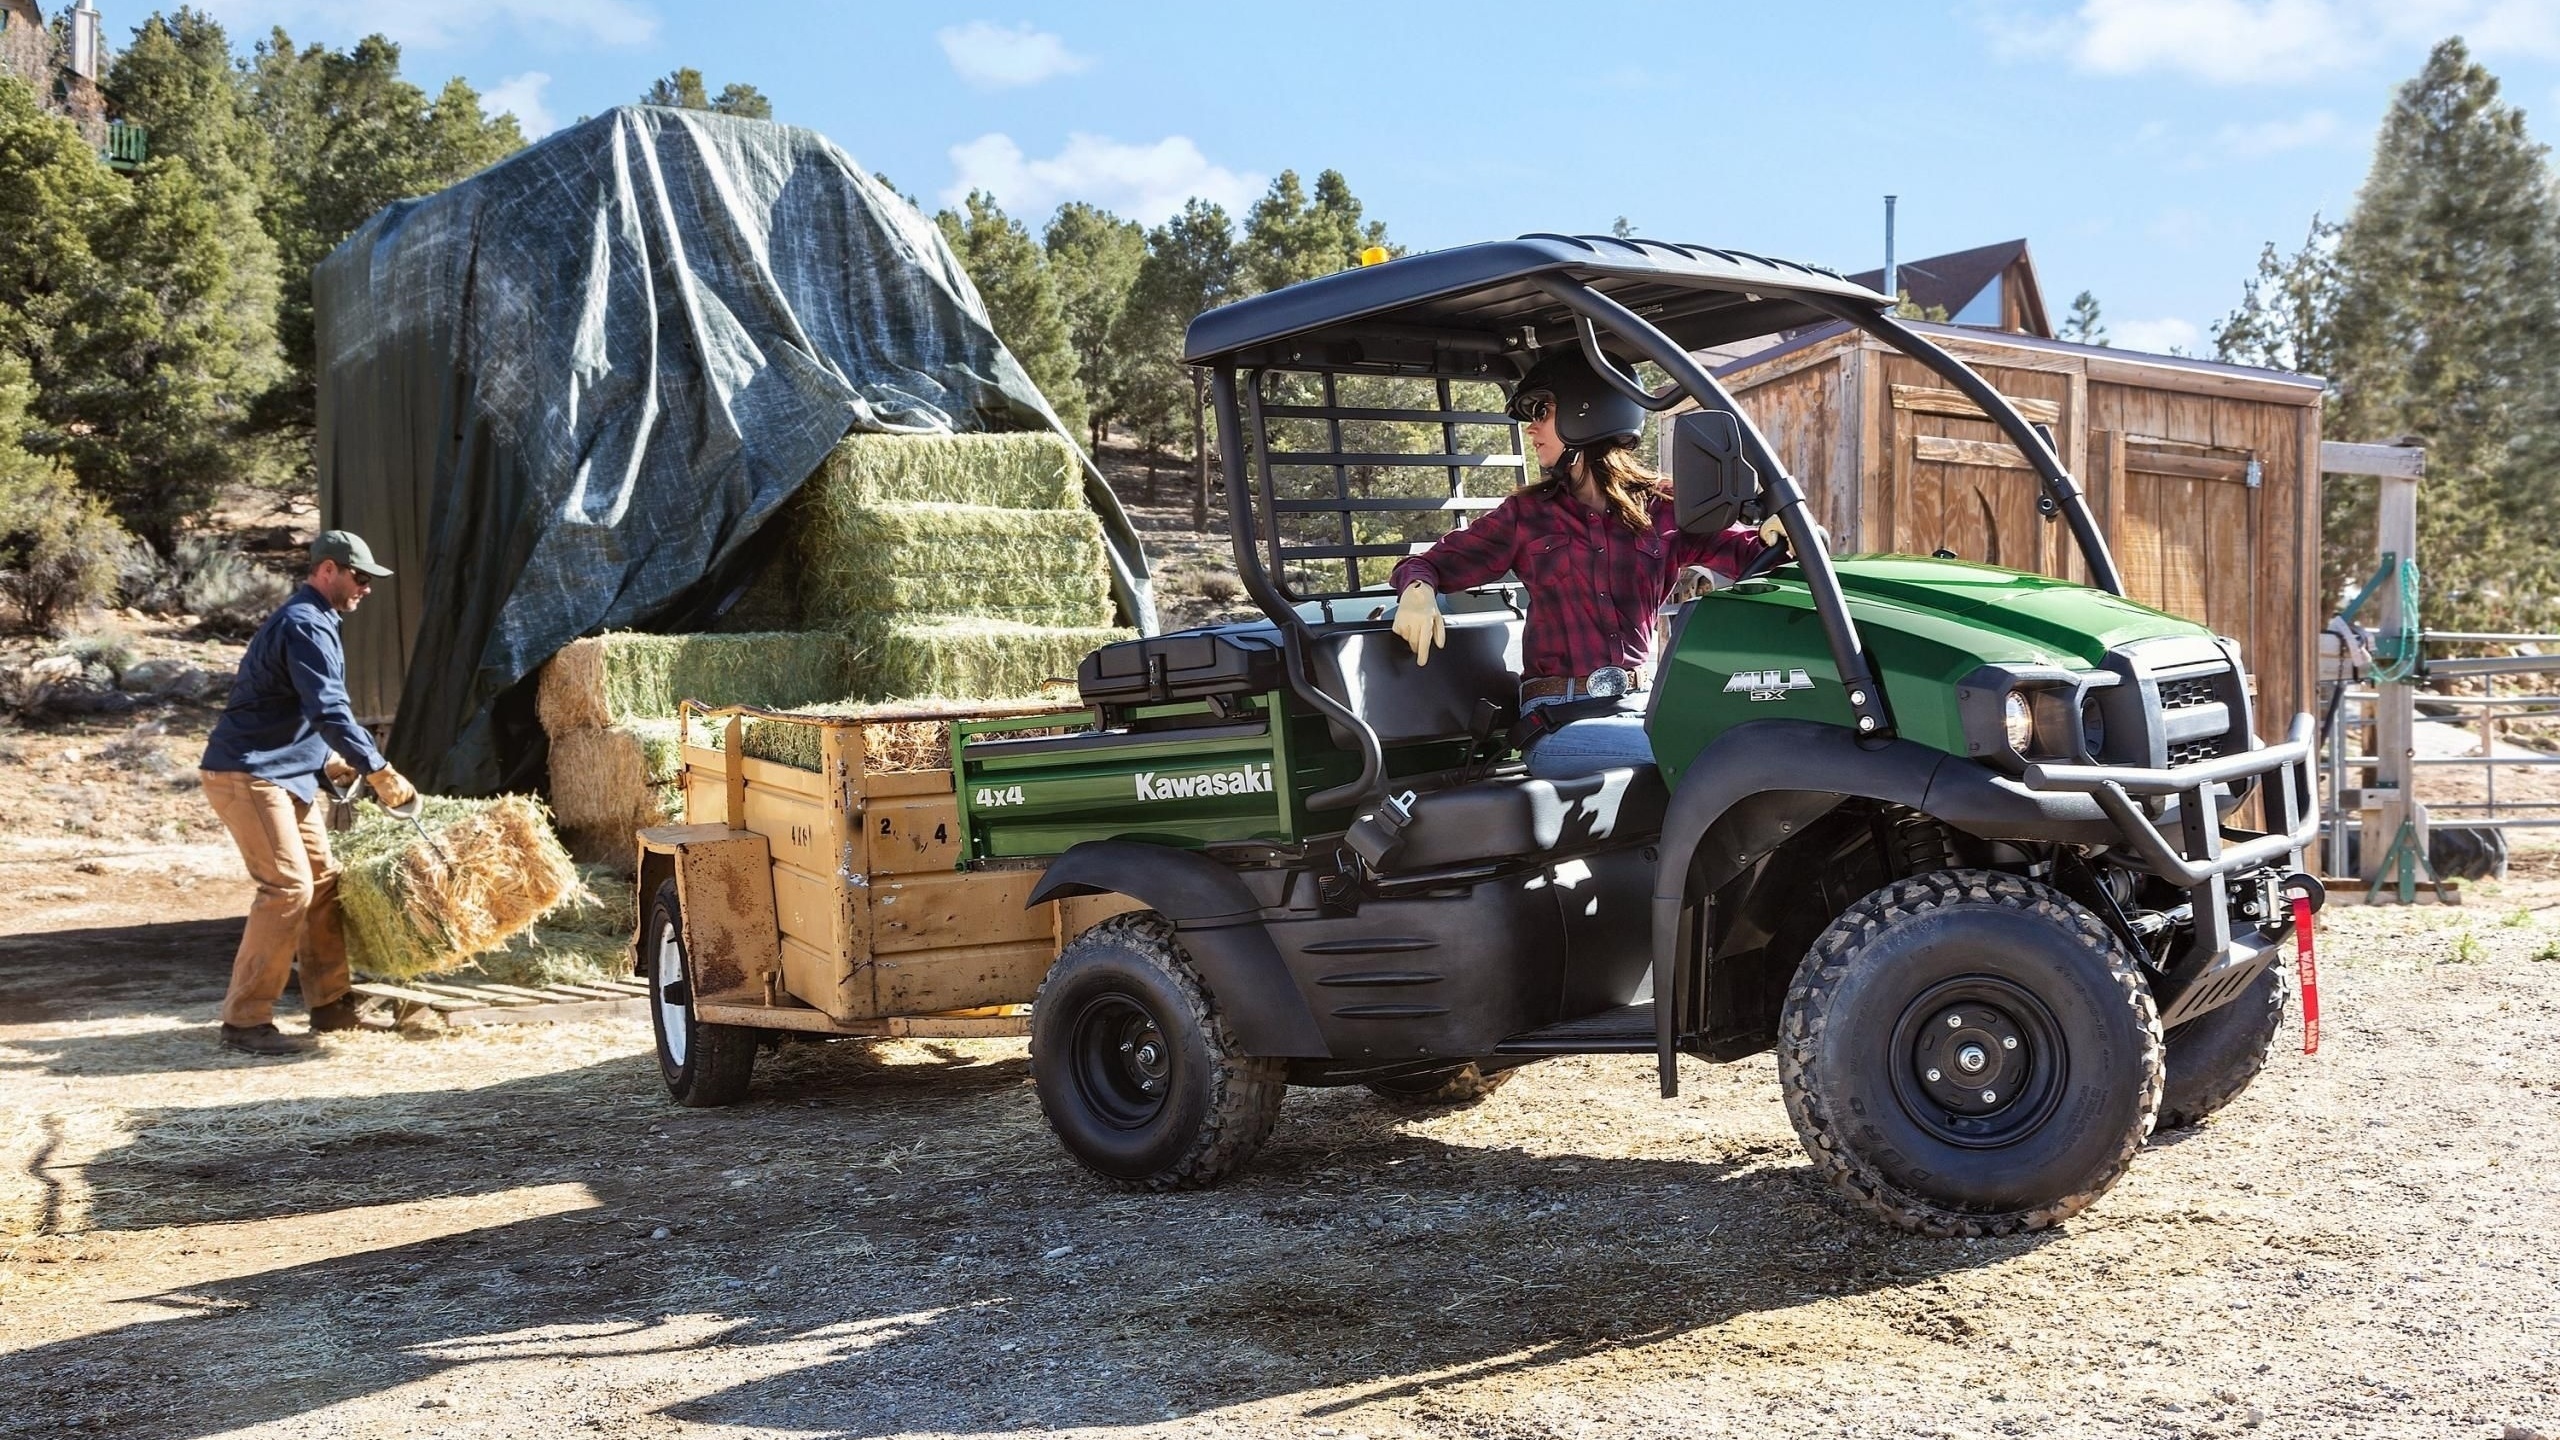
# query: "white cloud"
2248,42
2155,337
1144,182
996,57
432,24
2274,137
521,96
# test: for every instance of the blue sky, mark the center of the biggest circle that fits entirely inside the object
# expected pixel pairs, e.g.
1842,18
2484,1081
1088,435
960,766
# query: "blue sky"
2146,148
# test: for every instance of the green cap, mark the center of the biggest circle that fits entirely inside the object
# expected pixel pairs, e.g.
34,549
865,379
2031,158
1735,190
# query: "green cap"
348,549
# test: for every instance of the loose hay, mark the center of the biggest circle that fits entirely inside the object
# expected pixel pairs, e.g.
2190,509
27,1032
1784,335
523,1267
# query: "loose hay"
410,910
1018,472
596,682
586,937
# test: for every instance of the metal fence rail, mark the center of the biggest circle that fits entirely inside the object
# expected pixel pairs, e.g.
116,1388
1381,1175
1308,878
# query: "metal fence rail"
2353,721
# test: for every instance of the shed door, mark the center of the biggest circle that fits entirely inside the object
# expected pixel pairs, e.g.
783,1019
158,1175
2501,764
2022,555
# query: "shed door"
2184,522
1958,484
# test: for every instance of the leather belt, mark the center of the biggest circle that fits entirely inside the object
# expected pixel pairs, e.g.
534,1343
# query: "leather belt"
1566,687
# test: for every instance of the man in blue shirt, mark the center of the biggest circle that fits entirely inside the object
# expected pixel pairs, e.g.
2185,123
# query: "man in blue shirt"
261,769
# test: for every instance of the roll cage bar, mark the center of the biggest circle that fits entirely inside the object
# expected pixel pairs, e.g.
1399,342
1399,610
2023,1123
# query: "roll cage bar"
1595,318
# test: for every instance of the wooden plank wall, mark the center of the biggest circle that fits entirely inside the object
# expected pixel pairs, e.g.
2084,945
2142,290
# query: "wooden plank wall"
1896,460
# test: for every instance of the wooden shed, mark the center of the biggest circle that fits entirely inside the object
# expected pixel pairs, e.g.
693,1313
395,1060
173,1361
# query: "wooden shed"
2204,476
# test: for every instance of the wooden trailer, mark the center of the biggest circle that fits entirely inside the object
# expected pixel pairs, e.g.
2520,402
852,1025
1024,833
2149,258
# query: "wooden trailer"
2204,476
828,900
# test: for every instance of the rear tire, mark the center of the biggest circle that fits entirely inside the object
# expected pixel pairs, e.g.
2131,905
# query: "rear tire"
1445,1088
703,1065
1937,991
2213,1057
1137,1074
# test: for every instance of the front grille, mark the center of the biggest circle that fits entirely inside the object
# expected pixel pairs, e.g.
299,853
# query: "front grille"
2195,750
2189,691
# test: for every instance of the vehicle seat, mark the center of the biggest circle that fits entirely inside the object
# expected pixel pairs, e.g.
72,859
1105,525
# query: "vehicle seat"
1517,817
1373,673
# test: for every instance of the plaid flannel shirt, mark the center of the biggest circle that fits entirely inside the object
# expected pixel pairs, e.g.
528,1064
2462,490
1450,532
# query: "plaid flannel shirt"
1594,584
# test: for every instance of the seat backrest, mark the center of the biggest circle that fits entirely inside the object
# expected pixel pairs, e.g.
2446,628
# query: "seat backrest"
1374,674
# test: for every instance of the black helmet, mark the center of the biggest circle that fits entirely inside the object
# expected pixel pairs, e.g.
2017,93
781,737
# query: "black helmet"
1589,410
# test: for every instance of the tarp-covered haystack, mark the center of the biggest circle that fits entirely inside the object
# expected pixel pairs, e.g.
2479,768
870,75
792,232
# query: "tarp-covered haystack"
572,395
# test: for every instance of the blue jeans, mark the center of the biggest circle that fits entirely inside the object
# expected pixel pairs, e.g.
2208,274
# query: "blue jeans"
1587,747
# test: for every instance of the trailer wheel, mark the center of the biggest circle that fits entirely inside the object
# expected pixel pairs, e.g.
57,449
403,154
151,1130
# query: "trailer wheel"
2213,1057
1969,1053
1137,1074
703,1065
1447,1087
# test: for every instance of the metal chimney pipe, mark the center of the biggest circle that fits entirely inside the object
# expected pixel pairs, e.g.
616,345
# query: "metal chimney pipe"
1892,276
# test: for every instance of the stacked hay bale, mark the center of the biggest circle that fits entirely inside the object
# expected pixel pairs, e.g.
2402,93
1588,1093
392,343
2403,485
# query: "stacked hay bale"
962,566
608,703
911,569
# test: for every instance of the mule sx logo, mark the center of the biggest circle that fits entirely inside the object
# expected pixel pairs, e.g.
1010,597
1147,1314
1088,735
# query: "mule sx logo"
1768,684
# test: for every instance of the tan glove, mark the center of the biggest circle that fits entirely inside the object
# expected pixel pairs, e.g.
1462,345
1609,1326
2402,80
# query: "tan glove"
390,788
1773,531
1418,621
339,774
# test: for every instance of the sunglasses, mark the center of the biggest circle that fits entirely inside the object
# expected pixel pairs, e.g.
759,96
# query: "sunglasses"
1532,407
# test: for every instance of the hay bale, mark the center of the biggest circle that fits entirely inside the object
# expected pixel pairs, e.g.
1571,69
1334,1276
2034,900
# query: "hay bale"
1017,472
607,783
586,937
918,739
862,565
412,908
598,681
977,659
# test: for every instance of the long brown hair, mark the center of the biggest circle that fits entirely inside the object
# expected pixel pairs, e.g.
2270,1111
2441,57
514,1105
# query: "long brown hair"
1627,489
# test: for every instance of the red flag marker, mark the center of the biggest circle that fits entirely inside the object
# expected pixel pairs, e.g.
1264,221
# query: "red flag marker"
2306,968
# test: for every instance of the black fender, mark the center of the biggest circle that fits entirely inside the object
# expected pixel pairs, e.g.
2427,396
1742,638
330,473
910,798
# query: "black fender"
1757,785
1220,925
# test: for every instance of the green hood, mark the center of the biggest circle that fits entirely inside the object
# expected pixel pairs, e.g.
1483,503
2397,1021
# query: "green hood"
2006,616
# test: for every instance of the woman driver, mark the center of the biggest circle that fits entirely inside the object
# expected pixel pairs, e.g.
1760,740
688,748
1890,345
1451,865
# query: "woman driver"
1594,540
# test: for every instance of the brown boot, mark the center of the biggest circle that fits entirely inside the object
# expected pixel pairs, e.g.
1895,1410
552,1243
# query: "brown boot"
341,1014
265,1040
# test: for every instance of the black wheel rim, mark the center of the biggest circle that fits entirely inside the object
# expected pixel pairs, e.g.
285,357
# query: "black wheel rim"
1978,1062
1123,1065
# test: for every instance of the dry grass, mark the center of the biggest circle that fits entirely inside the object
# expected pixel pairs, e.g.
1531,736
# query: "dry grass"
415,908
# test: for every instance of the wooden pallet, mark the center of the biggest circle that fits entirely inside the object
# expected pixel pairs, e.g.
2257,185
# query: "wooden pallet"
494,1004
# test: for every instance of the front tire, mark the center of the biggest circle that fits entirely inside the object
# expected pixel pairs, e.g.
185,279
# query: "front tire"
1970,1053
2213,1057
1137,1074
703,1065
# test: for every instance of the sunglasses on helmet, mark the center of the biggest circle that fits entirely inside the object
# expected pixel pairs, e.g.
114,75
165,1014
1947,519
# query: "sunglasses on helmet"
1531,406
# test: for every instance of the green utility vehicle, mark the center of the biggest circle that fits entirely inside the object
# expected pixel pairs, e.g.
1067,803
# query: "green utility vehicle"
1959,844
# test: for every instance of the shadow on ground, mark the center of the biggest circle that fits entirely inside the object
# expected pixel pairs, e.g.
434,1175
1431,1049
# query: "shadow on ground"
866,1248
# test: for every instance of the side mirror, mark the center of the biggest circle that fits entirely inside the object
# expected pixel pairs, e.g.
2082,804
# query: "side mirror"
1712,483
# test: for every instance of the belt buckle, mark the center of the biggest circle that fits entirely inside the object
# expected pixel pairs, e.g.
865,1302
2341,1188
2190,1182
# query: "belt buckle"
1609,682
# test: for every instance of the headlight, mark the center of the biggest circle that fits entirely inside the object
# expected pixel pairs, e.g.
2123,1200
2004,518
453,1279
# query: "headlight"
2018,721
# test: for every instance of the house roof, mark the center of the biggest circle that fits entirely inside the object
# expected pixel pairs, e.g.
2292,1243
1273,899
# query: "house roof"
1488,292
1954,280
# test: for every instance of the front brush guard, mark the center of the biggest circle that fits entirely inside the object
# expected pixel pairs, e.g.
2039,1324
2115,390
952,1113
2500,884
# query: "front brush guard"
2215,968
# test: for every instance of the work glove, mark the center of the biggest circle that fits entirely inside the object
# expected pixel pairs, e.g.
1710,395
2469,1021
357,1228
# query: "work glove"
339,774
1773,531
1418,621
389,788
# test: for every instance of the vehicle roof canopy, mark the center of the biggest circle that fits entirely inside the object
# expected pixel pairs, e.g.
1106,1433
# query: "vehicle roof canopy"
1453,311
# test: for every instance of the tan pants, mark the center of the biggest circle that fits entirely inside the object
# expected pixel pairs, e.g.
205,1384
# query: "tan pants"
286,847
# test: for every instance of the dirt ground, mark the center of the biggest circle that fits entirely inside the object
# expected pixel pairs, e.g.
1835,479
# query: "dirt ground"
512,1232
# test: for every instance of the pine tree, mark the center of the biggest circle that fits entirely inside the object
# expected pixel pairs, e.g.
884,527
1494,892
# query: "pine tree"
686,90
1013,279
349,136
1191,264
2284,321
1289,238
1093,258
179,81
2082,326
2447,328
